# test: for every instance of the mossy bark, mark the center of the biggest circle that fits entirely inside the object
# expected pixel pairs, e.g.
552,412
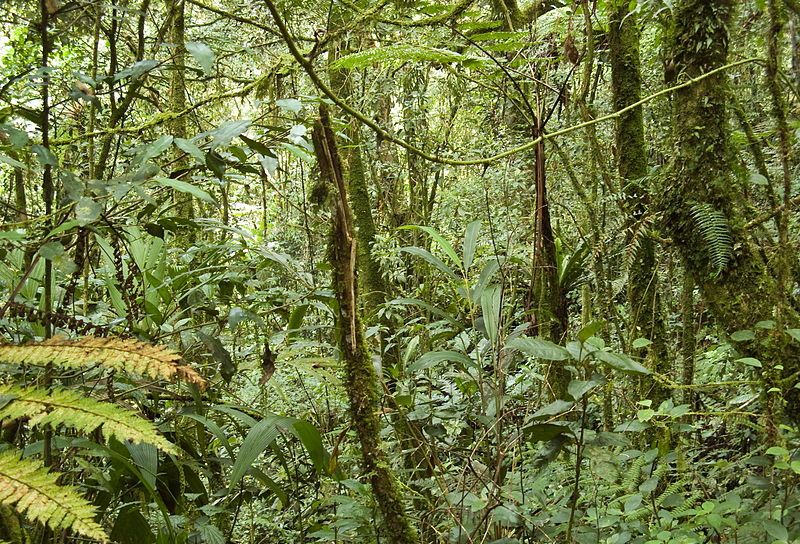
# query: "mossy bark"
371,279
703,172
361,381
177,97
646,312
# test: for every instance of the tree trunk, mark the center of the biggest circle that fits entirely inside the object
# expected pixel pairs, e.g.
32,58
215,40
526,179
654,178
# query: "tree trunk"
177,101
703,208
361,382
646,314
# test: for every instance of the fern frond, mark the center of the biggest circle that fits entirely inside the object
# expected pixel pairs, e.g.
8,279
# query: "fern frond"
73,409
34,493
113,353
715,232
635,235
397,54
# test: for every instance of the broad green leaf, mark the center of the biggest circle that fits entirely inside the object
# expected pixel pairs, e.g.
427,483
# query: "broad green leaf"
621,362
154,149
590,330
296,320
312,441
291,105
750,361
777,451
16,137
776,530
743,336
632,503
15,235
794,333
758,179
432,259
440,241
490,305
485,278
63,227
44,155
146,458
645,415
185,187
136,70
189,148
577,388
542,432
228,131
87,210
131,527
541,349
553,409
298,152
227,368
432,358
640,343
52,250
11,162
470,243
258,439
216,164
203,55
257,146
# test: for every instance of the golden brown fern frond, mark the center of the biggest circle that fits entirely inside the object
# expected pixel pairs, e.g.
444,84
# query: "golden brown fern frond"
113,353
33,491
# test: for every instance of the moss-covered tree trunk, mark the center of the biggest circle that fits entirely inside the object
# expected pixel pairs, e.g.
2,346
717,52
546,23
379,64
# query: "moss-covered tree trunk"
371,280
646,314
177,97
361,381
704,210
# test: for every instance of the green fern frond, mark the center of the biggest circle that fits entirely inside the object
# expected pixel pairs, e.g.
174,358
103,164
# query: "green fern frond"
635,235
715,232
73,409
113,353
397,54
34,493
633,476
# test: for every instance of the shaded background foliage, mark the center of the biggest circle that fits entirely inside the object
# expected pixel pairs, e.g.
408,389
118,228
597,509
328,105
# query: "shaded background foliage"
586,337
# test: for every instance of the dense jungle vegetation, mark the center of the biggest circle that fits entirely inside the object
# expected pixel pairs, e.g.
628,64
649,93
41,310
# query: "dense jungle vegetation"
399,271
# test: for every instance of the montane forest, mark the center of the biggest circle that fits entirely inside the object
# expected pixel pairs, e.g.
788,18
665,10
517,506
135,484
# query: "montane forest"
400,271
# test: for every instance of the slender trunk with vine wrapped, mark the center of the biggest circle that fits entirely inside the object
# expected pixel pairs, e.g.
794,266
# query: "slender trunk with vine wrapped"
361,381
372,282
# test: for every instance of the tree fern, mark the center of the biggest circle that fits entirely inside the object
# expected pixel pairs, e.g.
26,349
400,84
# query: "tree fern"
113,353
715,232
33,491
73,409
